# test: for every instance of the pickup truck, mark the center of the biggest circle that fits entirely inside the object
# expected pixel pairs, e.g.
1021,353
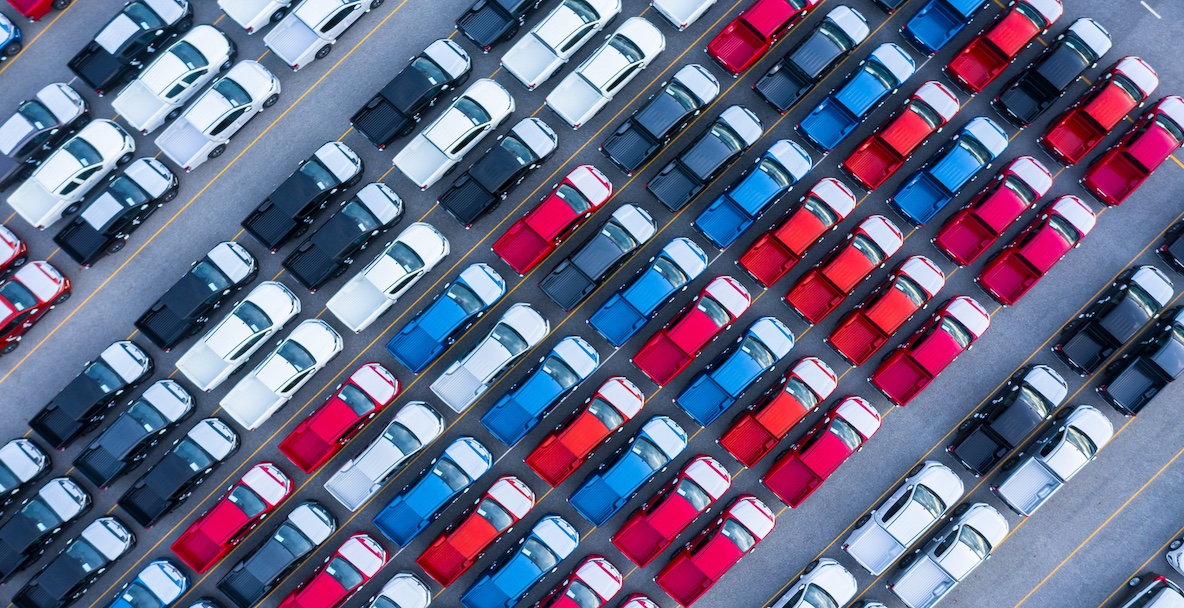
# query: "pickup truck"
488,23
65,578
26,297
812,58
928,190
286,547
254,15
930,573
821,290
313,27
38,521
924,114
706,158
938,22
681,13
1131,382
37,126
138,30
594,574
21,463
1121,170
506,582
823,581
994,48
553,41
846,106
626,52
1065,448
864,330
744,41
578,276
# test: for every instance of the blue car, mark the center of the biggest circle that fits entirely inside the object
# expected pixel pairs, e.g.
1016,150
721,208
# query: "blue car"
939,21
925,193
538,554
731,213
421,502
619,478
10,38
557,374
425,337
158,585
876,79
628,310
720,385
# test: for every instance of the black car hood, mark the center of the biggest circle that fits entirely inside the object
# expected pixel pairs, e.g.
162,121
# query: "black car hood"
408,91
122,437
187,297
79,398
597,256
497,170
815,55
660,115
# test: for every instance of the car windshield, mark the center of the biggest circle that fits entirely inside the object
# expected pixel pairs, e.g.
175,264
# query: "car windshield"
880,73
669,271
1021,189
821,211
450,474
18,296
537,552
493,513
1080,47
926,498
247,500
38,115
1171,127
319,174
360,216
211,276
127,192
977,543
8,479
296,356
742,538
573,198
85,153
685,98
775,171
836,35
383,601
196,457
235,95
464,297
519,150
812,596
475,113
631,52
104,376
730,138
253,317
976,149
430,70
605,413
843,430
922,109
190,56
143,16
1080,441
356,400
1143,299
868,247
693,494
344,573
88,557
1064,228
910,289
40,514
146,416
508,338
802,393
582,596
138,596
714,311
291,539
646,450
403,439
1124,83
956,331
758,351
619,236
1032,14
1039,405
405,257
558,370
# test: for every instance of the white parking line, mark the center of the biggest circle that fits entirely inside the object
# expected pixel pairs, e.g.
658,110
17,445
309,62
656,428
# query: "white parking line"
1151,10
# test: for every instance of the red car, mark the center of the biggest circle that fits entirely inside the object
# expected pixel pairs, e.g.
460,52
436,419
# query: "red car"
951,331
1115,175
828,283
891,145
1082,127
758,429
357,401
753,32
13,251
208,539
638,600
975,227
993,49
812,460
708,557
354,563
651,529
774,253
568,447
869,325
463,542
531,239
1019,266
36,9
591,584
669,351
25,297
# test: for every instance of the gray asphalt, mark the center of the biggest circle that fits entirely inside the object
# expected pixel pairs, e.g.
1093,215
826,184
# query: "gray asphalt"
1111,521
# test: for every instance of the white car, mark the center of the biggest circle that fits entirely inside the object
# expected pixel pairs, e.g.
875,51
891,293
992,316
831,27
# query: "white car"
174,77
1175,554
371,292
21,461
252,15
580,95
551,43
311,29
825,582
681,13
415,426
206,126
56,188
933,571
161,579
251,323
441,145
520,329
404,590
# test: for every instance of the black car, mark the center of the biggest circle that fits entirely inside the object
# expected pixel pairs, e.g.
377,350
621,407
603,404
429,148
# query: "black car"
394,110
112,214
680,181
1131,382
489,22
491,179
1127,306
37,127
26,534
64,579
172,478
293,206
667,112
808,63
121,446
81,405
1047,78
122,46
889,6
290,543
1013,413
1172,249
329,251
576,277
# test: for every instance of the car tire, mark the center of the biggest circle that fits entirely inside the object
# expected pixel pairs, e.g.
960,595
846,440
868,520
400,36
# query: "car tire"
171,116
907,561
71,209
169,196
270,101
184,25
324,51
17,263
59,5
960,510
13,49
217,151
353,181
862,521
8,348
117,246
279,15
1134,582
226,65
1176,544
916,469
1061,414
375,4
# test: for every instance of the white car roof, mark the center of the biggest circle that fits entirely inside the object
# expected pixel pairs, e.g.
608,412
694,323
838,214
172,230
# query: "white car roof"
1093,423
600,575
687,255
635,221
1076,212
939,97
1139,72
126,359
1172,106
709,474
792,156
832,577
109,536
63,101
1051,10
988,134
537,136
167,68
380,200
166,581
590,181
169,10
743,122
927,274
363,553
895,59
215,437
698,80
730,294
268,481
314,521
883,232
168,397
1033,173
406,589
376,381
773,334
492,97
1046,381
233,260
422,420
528,322
835,194
577,354
449,56
860,414
559,536
987,521
41,278
107,137
1092,34
511,493
850,21
940,480
753,515
319,338
66,498
484,281
969,313
339,159
645,35
1154,282
470,455
623,395
275,300
817,375
666,434
425,240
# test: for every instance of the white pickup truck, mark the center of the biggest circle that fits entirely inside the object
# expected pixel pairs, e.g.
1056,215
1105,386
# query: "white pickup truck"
312,28
931,573
252,15
551,43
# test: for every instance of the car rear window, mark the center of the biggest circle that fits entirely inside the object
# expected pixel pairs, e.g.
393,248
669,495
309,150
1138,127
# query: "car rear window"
344,573
358,401
693,494
742,538
605,413
493,513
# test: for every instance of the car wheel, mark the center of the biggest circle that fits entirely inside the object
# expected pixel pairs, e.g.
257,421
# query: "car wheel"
17,263
184,25
117,246
279,15
71,209
375,4
353,181
11,346
1134,582
61,4
960,510
123,160
12,49
169,196
270,101
862,521
810,568
1061,414
1176,544
324,52
173,115
916,469
907,561
217,151
226,65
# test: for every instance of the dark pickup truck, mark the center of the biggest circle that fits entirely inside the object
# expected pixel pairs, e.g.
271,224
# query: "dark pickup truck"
680,181
489,22
25,535
36,129
121,47
290,543
577,276
809,62
1131,382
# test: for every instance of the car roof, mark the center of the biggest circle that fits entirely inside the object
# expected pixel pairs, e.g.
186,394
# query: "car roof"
1092,34
636,221
791,156
927,274
1154,282
988,134
1076,212
969,313
850,21
666,434
816,374
881,230
1046,381
268,481
687,255
941,480
730,294
511,493
484,281
939,97
1032,172
536,135
895,59
557,534
599,574
449,56
860,414
215,437
169,398
1093,423
698,80
1139,72
577,354
773,334
753,514
622,395
469,455
835,194
709,474
743,122
421,419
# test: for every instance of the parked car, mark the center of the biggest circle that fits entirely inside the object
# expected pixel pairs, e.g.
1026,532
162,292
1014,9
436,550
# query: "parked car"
160,583
67,576
414,426
404,590
355,402
618,479
538,554
672,348
571,443
260,394
25,535
595,82
311,29
916,362
138,30
1025,97
1171,251
1128,305
39,124
203,129
458,306
1159,590
395,109
242,332
652,528
25,298
341,575
706,158
173,476
975,227
666,113
876,79
21,463
722,383
938,22
931,572
254,15
36,9
759,428
592,583
1079,129
823,582
995,47
291,542
1134,379
486,24
524,405
925,113
600,255
494,176
553,41
81,405
1122,169
811,60
183,309
636,303
747,38
405,260
530,239
638,600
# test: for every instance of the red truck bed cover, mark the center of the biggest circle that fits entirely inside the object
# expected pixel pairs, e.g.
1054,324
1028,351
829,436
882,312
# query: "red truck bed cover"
748,440
661,359
900,378
814,296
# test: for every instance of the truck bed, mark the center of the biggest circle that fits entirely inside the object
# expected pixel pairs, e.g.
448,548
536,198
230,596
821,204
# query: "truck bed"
137,104
704,400
978,66
965,239
768,262
567,286
379,121
420,159
79,243
466,200
872,165
99,466
684,581
856,338
182,143
723,222
592,502
874,548
923,585
675,186
748,441
1028,486
485,25
781,89
270,225
290,39
458,388
521,248
1074,138
201,366
792,481
162,326
415,350
629,147
617,320
661,359
530,61
144,506
97,68
827,125
443,563
355,302
1132,386
1115,180
639,541
250,403
554,464
933,29
900,378
1007,278
814,296
352,488
33,203
56,427
919,200
573,98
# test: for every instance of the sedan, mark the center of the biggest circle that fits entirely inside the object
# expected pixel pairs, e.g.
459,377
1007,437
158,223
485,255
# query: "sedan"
538,554
1122,169
1131,382
291,542
25,298
598,257
24,536
68,575
745,40
39,124
138,30
157,585
704,160
591,584
938,22
811,60
824,582
994,48
342,574
553,41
